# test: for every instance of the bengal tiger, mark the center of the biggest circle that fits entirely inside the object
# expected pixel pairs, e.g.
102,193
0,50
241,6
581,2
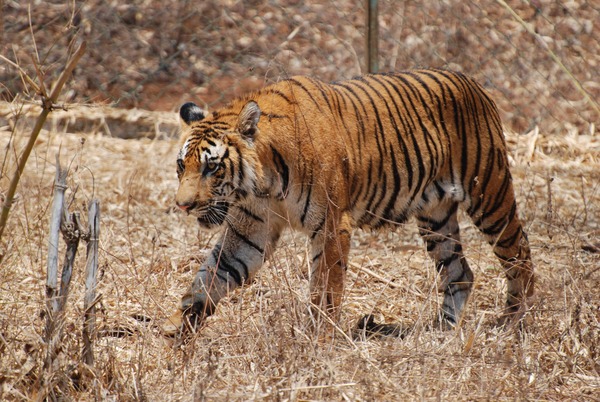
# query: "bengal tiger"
324,159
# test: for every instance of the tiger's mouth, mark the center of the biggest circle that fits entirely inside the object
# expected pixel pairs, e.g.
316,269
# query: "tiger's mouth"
212,215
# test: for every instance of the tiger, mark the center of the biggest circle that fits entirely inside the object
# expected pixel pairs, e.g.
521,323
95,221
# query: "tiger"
327,158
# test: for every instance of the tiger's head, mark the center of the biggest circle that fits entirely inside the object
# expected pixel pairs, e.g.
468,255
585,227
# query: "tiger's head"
217,164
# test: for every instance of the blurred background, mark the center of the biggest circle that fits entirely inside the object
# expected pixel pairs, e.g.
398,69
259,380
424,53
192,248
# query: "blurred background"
540,59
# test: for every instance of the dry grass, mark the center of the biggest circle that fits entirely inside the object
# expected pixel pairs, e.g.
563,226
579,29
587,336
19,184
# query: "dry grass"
256,346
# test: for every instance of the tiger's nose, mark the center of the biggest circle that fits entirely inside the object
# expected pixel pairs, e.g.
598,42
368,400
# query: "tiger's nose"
184,206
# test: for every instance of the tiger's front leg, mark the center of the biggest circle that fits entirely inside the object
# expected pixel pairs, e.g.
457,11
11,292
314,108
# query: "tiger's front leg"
329,262
247,240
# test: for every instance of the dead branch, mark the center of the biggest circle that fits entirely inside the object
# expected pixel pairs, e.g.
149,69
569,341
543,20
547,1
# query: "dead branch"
47,104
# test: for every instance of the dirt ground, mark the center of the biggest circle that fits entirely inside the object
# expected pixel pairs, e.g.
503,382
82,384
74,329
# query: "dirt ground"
257,345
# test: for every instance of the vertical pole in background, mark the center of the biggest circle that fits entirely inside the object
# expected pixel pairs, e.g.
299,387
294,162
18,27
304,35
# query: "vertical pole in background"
372,36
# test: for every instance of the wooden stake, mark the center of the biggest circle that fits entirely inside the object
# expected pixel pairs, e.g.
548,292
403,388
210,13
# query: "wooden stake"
52,302
91,270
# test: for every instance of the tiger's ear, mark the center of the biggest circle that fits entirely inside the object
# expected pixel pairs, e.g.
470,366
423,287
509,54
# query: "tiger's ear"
190,112
248,120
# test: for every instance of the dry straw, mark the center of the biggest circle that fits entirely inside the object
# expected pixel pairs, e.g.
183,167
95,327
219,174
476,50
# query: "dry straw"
257,345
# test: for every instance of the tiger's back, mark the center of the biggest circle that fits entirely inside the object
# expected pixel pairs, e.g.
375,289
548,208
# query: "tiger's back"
388,144
368,152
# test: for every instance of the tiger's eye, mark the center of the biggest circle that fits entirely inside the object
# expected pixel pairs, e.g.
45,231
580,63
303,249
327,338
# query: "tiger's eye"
210,167
180,165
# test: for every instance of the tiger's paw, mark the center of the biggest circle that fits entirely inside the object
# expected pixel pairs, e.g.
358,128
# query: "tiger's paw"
185,321
174,325
514,318
443,322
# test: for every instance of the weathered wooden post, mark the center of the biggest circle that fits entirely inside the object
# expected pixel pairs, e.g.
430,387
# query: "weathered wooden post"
52,291
372,36
91,270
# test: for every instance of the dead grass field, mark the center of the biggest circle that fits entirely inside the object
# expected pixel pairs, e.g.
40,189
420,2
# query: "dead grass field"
256,346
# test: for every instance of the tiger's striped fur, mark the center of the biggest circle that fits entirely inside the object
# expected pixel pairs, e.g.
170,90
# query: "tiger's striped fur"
368,152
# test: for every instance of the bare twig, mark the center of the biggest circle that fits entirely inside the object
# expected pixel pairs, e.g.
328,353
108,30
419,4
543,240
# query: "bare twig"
549,209
47,106
23,74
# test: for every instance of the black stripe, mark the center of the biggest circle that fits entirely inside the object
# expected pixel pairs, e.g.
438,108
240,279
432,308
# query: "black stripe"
337,100
512,261
307,91
381,131
457,287
405,129
352,95
246,240
472,113
431,244
364,184
499,197
220,113
306,205
442,105
282,95
318,229
427,136
250,214
320,86
282,169
435,225
244,267
241,171
271,116
447,261
217,254
380,189
368,214
439,189
485,181
231,164
378,132
497,226
509,241
316,257
224,265
410,129
396,189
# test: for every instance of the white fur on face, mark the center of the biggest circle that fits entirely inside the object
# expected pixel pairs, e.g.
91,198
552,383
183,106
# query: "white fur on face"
183,151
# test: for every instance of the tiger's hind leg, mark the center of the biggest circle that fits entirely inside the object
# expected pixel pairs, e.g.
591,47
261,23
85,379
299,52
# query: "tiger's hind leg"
330,249
439,228
496,217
